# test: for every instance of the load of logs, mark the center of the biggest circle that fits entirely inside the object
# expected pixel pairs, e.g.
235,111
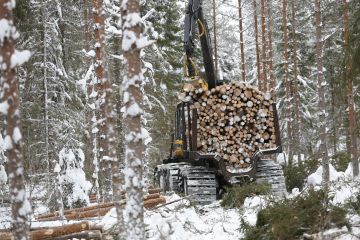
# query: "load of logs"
234,120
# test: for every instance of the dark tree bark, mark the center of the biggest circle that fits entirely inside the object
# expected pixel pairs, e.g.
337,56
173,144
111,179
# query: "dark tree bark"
104,103
288,101
295,87
350,95
242,53
263,51
257,46
215,39
271,68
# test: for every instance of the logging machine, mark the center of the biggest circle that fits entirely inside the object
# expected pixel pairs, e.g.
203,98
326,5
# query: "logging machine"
202,174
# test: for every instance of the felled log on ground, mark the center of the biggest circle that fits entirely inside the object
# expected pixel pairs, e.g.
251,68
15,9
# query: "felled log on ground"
92,197
56,232
150,201
75,210
94,235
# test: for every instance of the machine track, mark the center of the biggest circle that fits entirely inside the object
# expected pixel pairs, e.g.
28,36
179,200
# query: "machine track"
168,176
270,172
200,184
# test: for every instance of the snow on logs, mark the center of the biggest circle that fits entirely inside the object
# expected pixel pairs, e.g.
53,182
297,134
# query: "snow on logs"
150,201
81,230
234,120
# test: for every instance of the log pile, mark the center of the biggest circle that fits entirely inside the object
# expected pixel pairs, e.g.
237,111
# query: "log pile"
82,230
150,201
234,120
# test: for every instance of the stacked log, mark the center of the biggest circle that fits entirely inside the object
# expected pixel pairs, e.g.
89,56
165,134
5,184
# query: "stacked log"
234,121
97,210
152,190
82,230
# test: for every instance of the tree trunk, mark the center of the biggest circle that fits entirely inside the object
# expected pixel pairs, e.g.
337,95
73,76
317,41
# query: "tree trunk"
118,166
45,85
257,46
104,102
263,52
242,53
296,96
10,108
271,70
333,108
287,86
215,39
88,111
350,95
321,95
134,133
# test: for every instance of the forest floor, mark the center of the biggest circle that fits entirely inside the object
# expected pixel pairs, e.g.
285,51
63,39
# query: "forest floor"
182,221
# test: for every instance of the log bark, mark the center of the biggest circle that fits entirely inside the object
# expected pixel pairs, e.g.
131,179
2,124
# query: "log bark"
51,233
94,235
239,122
150,203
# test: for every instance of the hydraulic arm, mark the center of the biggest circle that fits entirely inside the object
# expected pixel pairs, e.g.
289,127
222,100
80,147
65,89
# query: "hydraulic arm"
194,16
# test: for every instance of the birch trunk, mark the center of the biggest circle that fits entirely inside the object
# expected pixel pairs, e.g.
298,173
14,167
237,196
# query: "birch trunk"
350,95
257,46
134,133
287,86
321,95
10,108
242,53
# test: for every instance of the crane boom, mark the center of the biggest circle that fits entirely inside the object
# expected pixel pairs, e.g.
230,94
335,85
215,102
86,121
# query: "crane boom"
195,16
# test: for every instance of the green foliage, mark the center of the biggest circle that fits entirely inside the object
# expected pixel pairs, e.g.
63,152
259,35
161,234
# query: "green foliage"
235,195
340,161
291,218
354,203
295,175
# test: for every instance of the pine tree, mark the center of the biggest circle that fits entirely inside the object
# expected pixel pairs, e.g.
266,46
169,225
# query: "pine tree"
10,58
242,53
350,95
288,101
132,43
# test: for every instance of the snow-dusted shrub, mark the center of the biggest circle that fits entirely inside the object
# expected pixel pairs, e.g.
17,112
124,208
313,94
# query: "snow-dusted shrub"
291,218
235,196
73,181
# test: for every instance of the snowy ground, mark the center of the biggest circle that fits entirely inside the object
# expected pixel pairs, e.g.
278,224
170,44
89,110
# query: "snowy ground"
183,221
